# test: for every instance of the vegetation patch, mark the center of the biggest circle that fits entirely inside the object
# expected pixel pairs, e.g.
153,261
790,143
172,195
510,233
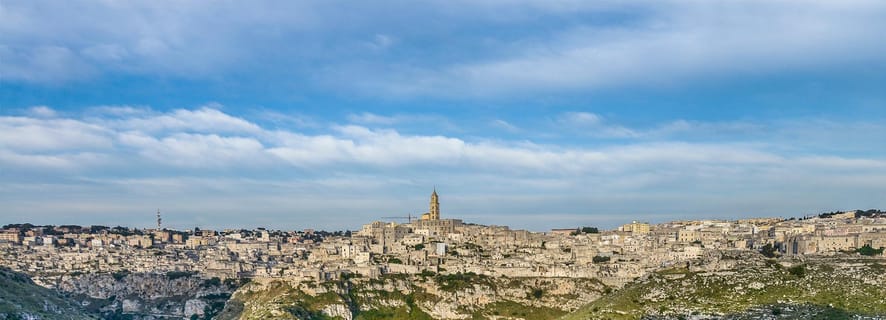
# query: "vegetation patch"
119,275
460,281
172,275
508,309
821,288
866,250
21,298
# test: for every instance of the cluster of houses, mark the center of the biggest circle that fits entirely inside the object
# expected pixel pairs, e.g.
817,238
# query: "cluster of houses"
428,244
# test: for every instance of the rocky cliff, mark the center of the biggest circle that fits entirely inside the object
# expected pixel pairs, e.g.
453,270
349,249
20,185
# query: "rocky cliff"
740,287
173,295
428,296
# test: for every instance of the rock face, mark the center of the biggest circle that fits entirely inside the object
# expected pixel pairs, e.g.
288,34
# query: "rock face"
752,288
338,311
458,296
195,307
21,298
131,306
741,287
146,295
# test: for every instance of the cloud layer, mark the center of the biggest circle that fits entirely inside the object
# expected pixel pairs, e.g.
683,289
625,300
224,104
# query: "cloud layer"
441,48
335,113
215,169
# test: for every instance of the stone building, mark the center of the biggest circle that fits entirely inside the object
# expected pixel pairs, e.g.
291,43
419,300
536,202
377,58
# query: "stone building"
635,227
431,225
434,210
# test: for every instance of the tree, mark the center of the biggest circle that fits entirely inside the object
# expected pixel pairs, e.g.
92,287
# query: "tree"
768,250
600,259
590,230
798,270
867,250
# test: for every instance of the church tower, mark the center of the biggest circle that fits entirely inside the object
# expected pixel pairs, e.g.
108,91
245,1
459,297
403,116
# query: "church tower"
434,211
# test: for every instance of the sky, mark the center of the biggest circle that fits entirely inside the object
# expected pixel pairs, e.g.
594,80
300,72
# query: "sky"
532,114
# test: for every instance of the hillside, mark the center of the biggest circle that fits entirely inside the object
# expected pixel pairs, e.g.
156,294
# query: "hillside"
171,295
845,287
457,296
783,289
20,298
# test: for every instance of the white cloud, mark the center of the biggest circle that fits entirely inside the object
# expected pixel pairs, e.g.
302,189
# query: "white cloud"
360,145
196,150
580,118
204,119
208,137
52,135
241,162
591,124
40,162
371,118
42,112
119,111
287,119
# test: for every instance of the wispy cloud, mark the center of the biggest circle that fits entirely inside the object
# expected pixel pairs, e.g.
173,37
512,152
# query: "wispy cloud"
403,121
652,43
591,124
674,43
42,112
504,125
204,119
371,118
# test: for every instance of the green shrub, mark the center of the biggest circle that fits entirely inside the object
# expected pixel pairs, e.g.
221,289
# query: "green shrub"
590,230
215,281
867,250
798,270
769,251
172,275
776,311
537,293
119,275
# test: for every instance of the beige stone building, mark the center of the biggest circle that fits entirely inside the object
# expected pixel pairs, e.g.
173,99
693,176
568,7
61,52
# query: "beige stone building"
430,223
13,237
635,227
434,211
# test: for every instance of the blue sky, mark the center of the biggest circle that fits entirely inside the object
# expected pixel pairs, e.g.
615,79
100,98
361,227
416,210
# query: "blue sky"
534,114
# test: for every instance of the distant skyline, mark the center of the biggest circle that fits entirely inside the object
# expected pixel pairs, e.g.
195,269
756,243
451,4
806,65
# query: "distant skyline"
533,114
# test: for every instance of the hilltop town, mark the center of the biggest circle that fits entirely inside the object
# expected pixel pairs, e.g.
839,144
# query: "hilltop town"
431,244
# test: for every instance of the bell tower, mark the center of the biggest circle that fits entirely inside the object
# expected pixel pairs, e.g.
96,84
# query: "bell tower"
434,211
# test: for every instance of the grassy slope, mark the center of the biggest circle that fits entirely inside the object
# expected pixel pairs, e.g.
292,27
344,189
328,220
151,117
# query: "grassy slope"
279,300
20,296
674,293
511,310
